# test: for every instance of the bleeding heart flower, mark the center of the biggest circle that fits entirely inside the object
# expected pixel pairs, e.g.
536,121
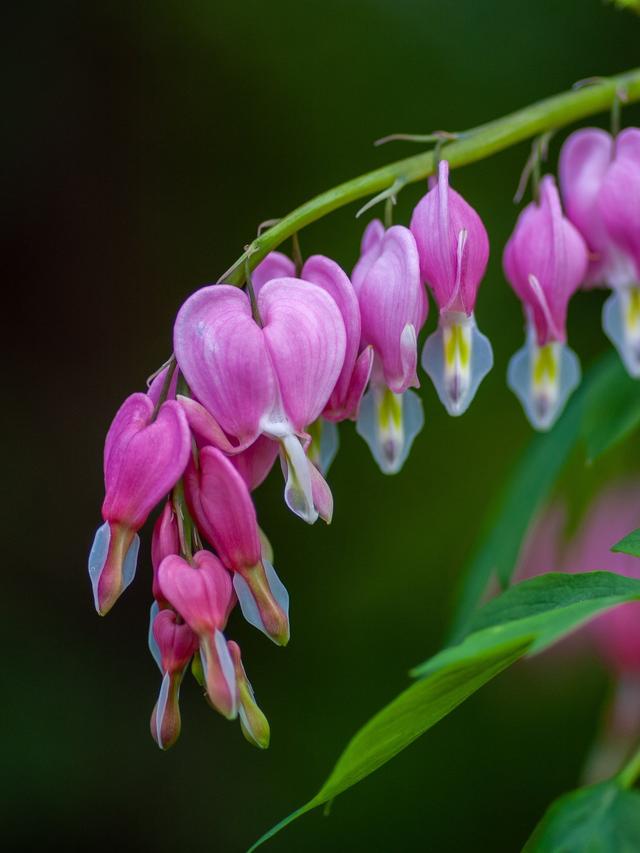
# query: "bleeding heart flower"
220,502
393,308
143,460
545,261
202,593
270,379
454,249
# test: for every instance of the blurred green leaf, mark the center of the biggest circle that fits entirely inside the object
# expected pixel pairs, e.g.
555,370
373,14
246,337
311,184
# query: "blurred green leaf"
526,618
630,544
601,414
603,818
632,5
611,409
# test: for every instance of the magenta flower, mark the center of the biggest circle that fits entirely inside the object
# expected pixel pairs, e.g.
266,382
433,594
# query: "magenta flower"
143,460
176,644
600,181
393,309
345,398
273,379
454,249
220,502
202,594
545,261
254,724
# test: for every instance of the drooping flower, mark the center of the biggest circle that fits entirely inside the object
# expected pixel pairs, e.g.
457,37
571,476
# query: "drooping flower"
220,502
393,309
454,249
345,398
272,379
143,460
202,594
600,182
545,261
176,644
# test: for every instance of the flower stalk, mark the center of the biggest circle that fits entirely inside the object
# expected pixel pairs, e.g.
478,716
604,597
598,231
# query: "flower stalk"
469,147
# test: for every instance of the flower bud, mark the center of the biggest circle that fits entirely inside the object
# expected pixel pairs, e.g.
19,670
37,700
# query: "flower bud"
165,540
254,724
220,502
202,594
176,644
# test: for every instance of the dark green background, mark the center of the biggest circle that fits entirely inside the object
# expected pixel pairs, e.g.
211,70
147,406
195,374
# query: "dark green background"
144,142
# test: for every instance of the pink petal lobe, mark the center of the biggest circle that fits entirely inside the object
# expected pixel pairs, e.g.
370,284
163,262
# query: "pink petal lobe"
220,501
274,265
221,351
143,459
333,280
305,337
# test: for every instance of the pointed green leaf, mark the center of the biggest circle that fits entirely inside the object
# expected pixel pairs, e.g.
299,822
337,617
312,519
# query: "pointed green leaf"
603,818
526,618
606,388
629,545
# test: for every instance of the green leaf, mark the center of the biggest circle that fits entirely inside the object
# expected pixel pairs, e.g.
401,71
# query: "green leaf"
524,619
546,608
606,388
603,818
611,409
629,545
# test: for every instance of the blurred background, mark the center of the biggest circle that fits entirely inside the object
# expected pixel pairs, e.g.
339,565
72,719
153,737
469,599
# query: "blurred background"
144,143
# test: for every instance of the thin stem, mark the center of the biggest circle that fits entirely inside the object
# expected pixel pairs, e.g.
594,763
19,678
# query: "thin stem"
483,141
296,253
631,771
185,523
164,391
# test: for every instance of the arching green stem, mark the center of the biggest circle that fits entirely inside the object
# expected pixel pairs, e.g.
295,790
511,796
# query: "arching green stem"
476,144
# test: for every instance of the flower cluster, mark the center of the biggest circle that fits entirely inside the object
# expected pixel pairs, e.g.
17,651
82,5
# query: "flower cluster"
551,254
263,374
268,372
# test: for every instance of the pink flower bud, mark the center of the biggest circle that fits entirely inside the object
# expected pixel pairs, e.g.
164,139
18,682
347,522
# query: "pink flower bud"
545,261
452,244
202,594
254,724
143,460
176,644
165,540
220,502
175,640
